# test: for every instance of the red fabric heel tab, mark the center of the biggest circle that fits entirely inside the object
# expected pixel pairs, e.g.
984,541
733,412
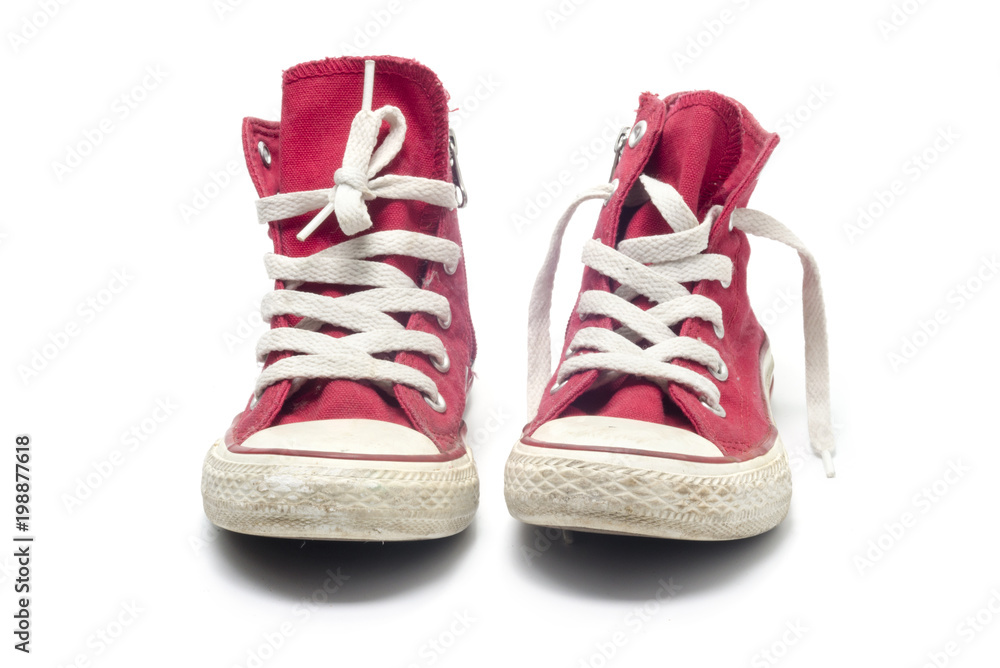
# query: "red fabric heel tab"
264,176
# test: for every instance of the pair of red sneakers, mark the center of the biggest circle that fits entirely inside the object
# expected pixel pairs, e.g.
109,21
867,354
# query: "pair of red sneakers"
657,420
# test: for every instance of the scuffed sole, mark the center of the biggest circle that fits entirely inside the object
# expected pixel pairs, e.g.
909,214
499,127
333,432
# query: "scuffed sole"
645,496
330,499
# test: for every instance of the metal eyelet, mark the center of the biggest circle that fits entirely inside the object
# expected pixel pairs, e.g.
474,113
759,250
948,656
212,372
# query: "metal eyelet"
558,386
720,411
437,404
443,365
265,153
720,331
638,130
446,323
450,269
722,373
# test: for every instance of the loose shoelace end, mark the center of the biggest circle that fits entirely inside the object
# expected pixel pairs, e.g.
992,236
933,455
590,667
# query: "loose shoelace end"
828,464
315,222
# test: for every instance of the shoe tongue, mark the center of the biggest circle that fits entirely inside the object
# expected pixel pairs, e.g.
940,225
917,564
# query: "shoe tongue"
700,147
320,100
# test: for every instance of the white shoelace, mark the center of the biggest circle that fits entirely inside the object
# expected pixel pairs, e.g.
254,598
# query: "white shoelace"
656,267
389,290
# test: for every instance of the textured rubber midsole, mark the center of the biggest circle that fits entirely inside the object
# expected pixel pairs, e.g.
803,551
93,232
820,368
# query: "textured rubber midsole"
648,496
333,499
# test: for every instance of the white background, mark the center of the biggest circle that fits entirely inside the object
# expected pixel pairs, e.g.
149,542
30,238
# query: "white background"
210,598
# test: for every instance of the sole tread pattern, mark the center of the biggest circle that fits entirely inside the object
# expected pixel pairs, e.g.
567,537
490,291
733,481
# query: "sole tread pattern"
609,498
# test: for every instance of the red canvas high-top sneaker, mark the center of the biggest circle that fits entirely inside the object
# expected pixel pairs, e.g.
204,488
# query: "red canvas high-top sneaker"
354,430
657,420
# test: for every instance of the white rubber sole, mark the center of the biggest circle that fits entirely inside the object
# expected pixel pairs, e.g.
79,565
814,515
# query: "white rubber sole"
338,499
586,490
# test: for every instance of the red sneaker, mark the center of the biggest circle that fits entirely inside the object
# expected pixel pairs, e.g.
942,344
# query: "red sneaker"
354,430
657,421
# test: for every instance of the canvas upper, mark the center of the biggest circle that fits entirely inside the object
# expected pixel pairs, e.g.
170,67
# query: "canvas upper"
711,150
305,148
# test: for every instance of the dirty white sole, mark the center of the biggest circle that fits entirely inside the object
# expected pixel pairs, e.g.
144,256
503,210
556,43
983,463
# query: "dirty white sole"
338,499
637,495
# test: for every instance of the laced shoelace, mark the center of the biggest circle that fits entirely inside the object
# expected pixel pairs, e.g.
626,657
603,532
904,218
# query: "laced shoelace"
656,267
388,289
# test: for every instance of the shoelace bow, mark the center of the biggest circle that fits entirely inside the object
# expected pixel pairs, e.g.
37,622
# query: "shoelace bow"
656,267
389,290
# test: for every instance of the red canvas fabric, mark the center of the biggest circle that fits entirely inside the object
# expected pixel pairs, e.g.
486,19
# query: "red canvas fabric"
319,101
711,150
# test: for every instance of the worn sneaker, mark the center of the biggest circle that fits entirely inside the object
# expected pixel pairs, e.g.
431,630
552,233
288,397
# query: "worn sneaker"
354,430
657,421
